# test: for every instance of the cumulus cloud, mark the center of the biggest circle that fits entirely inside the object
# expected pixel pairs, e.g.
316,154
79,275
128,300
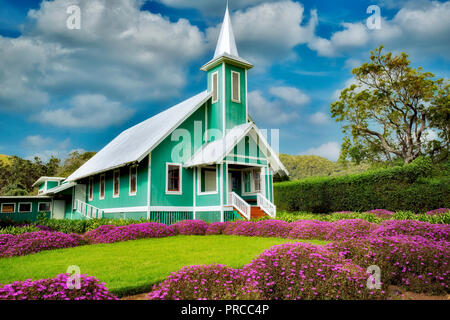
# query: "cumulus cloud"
329,150
290,95
210,7
120,52
270,112
319,118
45,147
268,32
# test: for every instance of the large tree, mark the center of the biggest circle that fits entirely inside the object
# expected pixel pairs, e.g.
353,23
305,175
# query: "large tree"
388,111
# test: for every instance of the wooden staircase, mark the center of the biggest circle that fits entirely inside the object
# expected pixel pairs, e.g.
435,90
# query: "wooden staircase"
257,212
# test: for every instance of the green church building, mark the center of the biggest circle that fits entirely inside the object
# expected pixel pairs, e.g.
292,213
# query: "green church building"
203,158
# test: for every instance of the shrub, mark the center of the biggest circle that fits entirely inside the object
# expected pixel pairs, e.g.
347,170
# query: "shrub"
33,242
413,228
110,234
216,228
382,213
437,211
304,271
208,282
56,289
398,188
240,228
272,228
15,230
310,229
412,262
190,227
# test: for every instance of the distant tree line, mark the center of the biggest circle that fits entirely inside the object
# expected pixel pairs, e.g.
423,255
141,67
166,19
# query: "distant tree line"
17,175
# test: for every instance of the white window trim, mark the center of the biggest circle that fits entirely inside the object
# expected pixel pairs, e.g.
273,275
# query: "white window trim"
114,183
252,183
179,192
3,204
31,207
212,86
129,181
239,87
199,182
100,187
50,206
91,183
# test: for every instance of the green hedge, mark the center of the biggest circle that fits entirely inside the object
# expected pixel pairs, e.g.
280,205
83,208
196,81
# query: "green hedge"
397,189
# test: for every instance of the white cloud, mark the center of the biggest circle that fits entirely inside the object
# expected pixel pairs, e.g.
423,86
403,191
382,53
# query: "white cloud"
269,112
329,150
319,118
290,95
45,147
268,32
216,7
88,111
120,52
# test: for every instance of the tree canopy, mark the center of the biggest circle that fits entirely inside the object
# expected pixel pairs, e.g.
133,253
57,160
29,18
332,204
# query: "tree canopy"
392,111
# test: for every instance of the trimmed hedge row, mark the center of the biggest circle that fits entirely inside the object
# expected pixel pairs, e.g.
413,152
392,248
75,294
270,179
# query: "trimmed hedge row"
400,188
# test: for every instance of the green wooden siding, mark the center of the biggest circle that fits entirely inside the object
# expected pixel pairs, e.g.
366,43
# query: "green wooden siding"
23,216
235,113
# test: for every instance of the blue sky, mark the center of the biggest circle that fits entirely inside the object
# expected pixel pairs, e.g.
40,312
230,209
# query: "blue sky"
63,90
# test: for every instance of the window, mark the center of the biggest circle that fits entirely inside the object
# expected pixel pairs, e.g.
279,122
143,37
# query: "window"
235,86
133,180
25,207
91,189
173,178
116,183
102,187
44,207
252,181
208,180
215,87
8,207
257,180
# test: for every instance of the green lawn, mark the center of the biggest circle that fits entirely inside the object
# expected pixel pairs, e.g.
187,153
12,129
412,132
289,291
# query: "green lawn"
133,266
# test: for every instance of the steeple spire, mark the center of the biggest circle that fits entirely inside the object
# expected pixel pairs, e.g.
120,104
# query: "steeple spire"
226,43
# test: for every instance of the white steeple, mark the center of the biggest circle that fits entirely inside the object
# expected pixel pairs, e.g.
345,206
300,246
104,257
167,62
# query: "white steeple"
226,43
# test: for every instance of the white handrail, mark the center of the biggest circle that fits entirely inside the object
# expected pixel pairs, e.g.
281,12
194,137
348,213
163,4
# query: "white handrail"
240,204
267,206
88,211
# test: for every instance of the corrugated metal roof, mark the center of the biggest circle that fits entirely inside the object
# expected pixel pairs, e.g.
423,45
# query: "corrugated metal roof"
133,144
214,152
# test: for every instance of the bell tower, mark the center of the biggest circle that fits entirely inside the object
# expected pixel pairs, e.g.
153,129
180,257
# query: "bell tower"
227,80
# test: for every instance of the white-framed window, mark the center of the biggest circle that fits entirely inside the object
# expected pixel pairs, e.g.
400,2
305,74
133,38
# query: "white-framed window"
235,87
8,207
44,206
174,178
91,188
207,180
25,207
116,183
215,86
252,181
102,187
133,180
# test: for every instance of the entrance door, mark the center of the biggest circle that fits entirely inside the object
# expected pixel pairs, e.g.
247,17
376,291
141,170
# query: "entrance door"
234,182
59,207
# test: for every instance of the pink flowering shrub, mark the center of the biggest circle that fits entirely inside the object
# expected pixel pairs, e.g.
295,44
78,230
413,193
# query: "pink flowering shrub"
309,229
208,282
413,228
190,227
110,234
382,213
305,271
348,229
412,262
437,211
216,228
33,242
241,228
272,228
56,289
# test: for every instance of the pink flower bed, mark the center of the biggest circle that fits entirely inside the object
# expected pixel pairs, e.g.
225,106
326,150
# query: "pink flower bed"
413,228
349,229
190,227
110,234
272,228
382,213
437,211
310,229
33,242
56,289
216,228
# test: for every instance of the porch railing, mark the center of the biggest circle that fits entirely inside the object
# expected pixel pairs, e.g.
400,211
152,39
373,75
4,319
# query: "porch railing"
268,207
240,204
88,211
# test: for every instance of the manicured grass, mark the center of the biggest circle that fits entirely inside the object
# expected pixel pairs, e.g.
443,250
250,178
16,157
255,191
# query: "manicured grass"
134,266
